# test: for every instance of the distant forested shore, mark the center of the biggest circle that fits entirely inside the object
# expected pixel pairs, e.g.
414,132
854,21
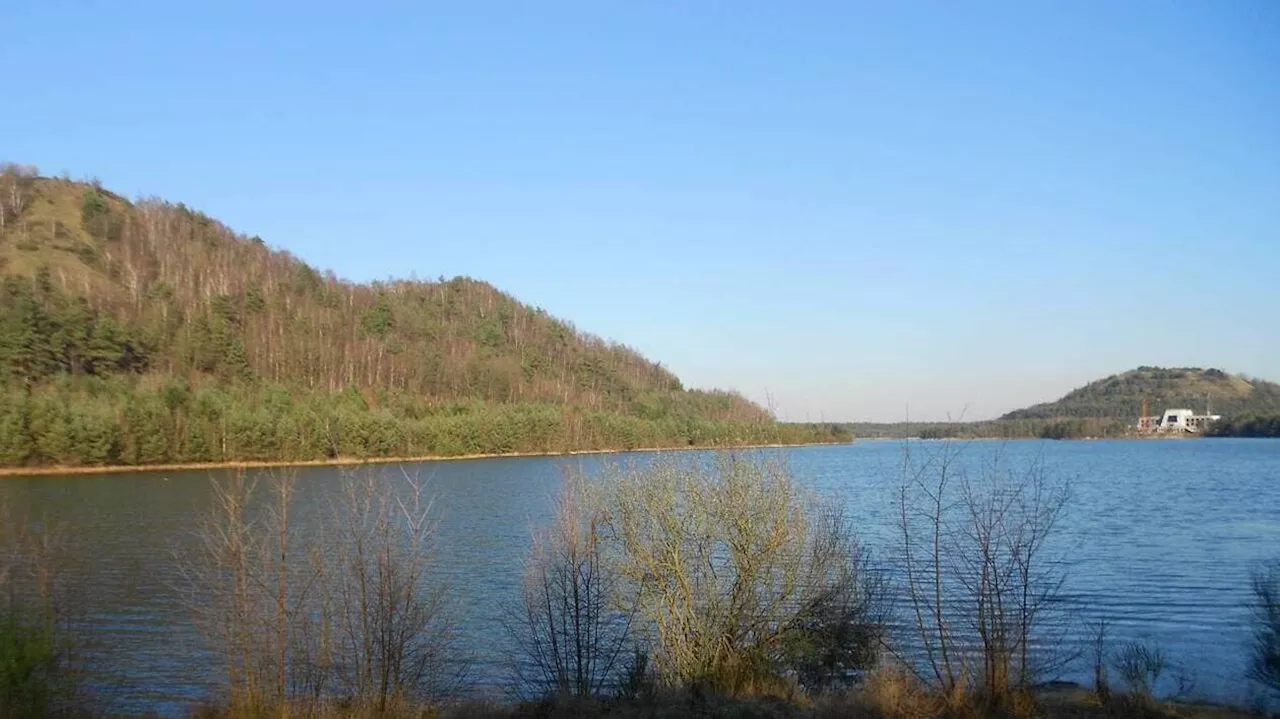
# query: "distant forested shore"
1077,428
1109,407
1074,428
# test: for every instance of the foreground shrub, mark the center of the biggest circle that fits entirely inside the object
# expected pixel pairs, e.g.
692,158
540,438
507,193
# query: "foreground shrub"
1265,660
38,668
742,581
30,668
1141,666
570,638
344,614
981,584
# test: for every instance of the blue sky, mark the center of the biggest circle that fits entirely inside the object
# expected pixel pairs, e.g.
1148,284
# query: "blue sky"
863,209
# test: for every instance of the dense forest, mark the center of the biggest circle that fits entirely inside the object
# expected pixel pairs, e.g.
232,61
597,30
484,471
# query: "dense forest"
147,332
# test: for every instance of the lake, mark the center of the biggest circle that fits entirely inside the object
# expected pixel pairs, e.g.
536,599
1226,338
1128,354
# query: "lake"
1160,538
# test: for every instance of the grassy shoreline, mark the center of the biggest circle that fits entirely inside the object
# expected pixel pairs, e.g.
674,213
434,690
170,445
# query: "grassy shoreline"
55,470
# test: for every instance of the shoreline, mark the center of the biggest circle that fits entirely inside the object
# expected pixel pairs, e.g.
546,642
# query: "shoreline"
7,472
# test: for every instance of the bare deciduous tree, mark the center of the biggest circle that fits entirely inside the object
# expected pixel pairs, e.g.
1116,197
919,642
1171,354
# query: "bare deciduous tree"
979,583
354,620
569,633
15,190
246,589
390,631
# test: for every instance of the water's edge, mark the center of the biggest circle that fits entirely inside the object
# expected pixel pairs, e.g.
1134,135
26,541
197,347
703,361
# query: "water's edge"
60,470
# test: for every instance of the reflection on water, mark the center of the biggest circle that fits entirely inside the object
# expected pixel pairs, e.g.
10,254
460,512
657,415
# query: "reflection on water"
1160,538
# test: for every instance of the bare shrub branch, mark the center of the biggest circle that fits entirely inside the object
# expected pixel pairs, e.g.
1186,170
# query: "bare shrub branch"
390,632
1141,666
568,633
354,619
1265,660
39,656
979,583
245,588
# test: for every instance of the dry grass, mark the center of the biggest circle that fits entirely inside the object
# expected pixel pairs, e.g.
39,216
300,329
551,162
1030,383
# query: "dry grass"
888,694
318,710
51,234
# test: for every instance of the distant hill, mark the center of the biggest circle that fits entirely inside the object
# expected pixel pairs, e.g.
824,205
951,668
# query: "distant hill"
1109,408
1120,396
122,321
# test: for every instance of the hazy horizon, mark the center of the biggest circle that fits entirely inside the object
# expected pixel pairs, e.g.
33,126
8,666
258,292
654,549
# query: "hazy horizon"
845,212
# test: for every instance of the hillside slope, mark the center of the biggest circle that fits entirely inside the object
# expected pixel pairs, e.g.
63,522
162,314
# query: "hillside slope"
1120,396
108,304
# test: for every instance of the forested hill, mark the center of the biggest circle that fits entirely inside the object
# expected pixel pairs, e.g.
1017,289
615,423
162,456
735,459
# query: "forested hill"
153,333
1110,407
1120,396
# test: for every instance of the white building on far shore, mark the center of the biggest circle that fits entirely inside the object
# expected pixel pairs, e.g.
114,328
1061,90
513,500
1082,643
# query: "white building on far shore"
1178,420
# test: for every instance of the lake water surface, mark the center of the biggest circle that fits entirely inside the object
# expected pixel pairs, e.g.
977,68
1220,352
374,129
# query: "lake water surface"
1160,538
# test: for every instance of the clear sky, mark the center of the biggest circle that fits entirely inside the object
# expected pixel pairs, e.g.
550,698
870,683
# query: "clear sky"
863,209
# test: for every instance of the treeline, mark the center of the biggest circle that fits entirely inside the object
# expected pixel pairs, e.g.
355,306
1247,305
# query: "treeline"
1078,428
1246,426
154,420
1263,425
1081,428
